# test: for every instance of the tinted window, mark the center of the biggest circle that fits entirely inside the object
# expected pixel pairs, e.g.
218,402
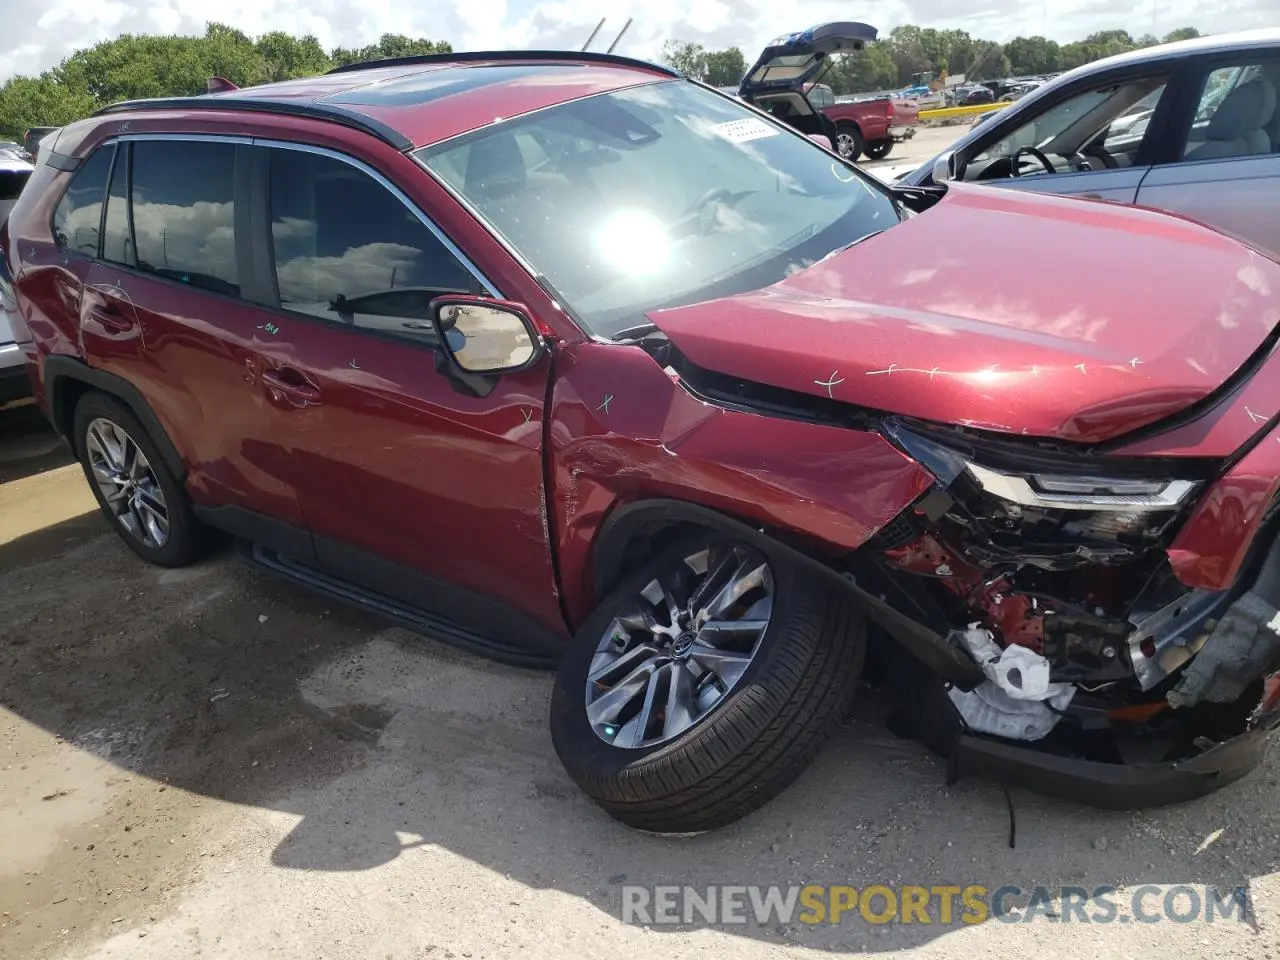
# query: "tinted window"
77,218
117,242
348,250
1236,114
183,219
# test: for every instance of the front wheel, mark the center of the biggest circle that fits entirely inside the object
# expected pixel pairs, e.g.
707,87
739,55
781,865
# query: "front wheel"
879,149
848,141
703,685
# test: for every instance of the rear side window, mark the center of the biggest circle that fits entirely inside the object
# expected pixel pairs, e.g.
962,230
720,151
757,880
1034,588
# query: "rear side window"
117,239
78,216
349,251
183,212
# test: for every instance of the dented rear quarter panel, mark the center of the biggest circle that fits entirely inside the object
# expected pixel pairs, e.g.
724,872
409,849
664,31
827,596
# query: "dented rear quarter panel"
622,429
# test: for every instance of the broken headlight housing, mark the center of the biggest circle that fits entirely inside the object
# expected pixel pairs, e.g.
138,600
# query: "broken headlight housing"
1038,504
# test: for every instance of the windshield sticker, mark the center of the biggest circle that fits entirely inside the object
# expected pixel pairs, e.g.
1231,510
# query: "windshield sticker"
743,131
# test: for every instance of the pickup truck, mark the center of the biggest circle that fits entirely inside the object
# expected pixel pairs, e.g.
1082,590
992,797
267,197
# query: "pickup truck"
869,127
784,82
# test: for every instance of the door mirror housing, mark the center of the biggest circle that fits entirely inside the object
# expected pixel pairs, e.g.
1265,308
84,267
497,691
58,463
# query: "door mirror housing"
822,140
946,167
482,336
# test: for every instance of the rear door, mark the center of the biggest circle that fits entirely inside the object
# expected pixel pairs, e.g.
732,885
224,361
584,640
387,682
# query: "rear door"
168,306
1223,168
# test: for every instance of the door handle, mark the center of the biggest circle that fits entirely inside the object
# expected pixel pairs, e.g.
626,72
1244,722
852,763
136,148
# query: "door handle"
111,317
293,385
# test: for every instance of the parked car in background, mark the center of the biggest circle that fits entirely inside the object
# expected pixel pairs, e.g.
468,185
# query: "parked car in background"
865,127
785,81
642,384
15,170
31,139
1189,127
972,96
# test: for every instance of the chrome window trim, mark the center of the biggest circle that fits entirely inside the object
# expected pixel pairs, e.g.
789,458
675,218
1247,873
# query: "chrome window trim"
360,165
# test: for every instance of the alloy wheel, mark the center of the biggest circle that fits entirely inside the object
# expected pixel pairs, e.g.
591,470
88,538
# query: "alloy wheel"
844,145
127,482
672,655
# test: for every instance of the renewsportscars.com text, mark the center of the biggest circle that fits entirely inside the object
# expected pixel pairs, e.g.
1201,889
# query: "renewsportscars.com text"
935,904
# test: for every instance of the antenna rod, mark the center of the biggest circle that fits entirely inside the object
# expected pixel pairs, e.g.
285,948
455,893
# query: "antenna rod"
593,35
619,36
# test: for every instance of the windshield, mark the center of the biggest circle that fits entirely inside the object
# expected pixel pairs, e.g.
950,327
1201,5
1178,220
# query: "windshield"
658,196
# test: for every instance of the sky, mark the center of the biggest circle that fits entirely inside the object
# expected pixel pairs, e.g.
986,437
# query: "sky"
38,35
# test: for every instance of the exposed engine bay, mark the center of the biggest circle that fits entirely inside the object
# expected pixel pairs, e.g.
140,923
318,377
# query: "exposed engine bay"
1058,585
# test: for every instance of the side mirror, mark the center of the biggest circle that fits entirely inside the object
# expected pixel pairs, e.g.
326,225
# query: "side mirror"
822,140
480,337
945,167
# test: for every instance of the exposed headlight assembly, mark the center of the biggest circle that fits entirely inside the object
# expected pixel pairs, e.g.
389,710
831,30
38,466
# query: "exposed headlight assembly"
1049,478
1058,492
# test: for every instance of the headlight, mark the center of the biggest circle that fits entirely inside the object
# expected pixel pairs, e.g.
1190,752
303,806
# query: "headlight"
1059,492
1047,476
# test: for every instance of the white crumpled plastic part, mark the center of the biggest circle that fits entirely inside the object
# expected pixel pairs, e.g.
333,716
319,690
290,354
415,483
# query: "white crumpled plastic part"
1015,699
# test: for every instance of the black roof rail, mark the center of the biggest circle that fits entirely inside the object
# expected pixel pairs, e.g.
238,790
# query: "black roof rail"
291,108
488,56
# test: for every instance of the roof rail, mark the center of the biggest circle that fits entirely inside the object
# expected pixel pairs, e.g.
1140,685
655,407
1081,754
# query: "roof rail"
488,56
292,108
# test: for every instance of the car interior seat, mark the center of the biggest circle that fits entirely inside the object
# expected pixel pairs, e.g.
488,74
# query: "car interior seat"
1239,127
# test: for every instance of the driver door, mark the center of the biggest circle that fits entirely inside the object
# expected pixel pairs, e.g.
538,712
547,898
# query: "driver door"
1098,140
410,485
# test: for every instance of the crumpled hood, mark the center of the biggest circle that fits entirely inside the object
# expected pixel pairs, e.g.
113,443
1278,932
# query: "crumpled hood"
1005,310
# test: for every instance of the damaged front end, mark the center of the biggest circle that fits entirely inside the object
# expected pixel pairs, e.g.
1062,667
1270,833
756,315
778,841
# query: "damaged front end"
1104,678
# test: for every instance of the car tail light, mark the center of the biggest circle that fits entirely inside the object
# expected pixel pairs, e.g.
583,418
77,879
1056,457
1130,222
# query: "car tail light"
889,111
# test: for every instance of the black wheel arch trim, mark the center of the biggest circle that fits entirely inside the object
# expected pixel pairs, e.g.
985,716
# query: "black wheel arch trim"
625,523
59,370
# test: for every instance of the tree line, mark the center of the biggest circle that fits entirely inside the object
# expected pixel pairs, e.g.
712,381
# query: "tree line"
132,66
889,63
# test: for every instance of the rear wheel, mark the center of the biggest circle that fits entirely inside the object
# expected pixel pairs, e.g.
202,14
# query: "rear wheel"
703,685
137,492
879,149
848,141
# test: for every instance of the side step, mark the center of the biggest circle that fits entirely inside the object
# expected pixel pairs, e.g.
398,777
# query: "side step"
410,617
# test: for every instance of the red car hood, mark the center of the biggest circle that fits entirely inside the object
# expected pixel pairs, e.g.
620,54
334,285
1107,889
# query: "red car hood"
1005,310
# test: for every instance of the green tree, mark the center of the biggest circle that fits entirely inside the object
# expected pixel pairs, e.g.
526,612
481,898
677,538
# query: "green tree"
43,101
689,58
724,68
1182,33
285,57
390,45
1030,55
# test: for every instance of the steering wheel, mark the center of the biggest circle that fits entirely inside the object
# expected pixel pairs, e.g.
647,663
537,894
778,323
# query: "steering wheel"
1100,152
1031,152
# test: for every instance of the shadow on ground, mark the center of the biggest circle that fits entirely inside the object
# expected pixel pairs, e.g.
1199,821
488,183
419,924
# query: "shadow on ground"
233,686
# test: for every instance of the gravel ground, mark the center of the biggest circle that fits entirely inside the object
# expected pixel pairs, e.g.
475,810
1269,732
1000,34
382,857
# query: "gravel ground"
208,763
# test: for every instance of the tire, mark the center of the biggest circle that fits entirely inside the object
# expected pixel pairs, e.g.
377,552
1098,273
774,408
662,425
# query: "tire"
849,143
879,149
185,537
753,741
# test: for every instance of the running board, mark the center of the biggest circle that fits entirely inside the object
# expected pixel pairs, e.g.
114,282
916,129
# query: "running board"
410,617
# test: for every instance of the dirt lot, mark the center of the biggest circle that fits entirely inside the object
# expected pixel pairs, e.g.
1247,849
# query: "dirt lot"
206,763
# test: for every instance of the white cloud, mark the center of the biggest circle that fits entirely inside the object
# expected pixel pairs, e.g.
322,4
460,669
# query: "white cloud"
32,43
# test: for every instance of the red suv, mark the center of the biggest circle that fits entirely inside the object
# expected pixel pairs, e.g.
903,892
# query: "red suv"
573,361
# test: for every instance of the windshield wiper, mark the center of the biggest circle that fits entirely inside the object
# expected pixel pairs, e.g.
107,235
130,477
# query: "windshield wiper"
636,332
